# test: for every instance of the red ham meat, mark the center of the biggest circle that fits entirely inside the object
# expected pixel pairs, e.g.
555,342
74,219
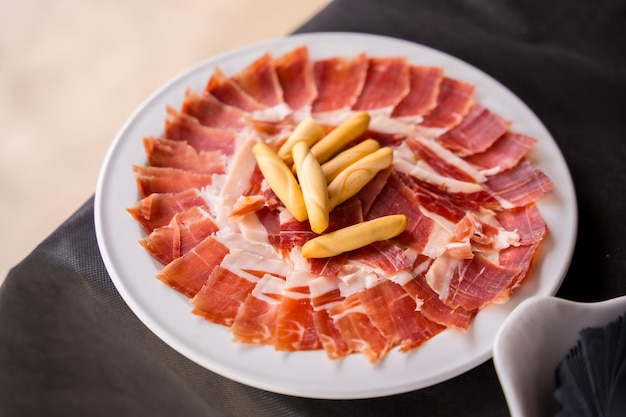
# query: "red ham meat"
339,82
465,182
428,301
386,84
256,318
325,293
295,324
180,236
183,127
479,130
504,154
231,93
357,330
453,102
424,85
168,180
521,185
259,81
392,310
178,154
212,112
295,75
189,273
157,210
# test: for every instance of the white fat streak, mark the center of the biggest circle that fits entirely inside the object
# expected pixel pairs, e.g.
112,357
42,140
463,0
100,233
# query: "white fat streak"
440,236
298,279
440,275
357,281
381,122
333,118
235,240
453,159
421,170
242,259
322,285
252,229
268,285
271,114
239,171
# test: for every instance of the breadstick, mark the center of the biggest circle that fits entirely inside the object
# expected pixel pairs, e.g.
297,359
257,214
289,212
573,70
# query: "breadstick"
354,237
353,127
354,177
332,167
281,180
308,131
313,185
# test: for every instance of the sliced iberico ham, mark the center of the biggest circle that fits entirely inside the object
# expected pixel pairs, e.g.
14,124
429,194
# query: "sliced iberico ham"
465,183
453,102
256,318
424,85
159,180
295,75
392,310
189,273
339,82
521,185
386,84
229,92
212,112
178,154
504,154
295,324
479,130
157,210
184,127
259,80
180,236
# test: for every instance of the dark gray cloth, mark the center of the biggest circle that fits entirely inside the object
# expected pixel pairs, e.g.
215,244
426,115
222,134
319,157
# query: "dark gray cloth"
69,345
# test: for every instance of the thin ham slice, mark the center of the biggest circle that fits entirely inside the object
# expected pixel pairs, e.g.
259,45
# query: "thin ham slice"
325,293
229,92
386,84
212,112
295,324
393,311
479,130
259,81
178,154
526,221
423,92
521,185
429,303
504,154
184,127
168,180
474,283
189,273
453,102
256,318
295,74
157,210
357,330
183,233
339,82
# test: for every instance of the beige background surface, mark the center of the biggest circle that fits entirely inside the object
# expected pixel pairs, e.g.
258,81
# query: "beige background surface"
72,72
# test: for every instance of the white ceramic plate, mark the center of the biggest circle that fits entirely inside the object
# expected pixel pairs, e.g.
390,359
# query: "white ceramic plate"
312,374
534,339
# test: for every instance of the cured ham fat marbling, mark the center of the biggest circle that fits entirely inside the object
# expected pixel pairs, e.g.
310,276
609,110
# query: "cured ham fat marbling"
464,180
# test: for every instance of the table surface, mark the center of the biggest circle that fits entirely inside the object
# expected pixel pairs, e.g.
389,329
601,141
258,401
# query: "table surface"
69,345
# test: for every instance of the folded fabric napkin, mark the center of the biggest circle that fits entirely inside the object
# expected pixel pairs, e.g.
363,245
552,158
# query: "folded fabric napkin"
591,379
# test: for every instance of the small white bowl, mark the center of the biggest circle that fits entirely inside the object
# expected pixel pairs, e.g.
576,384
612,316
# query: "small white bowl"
534,339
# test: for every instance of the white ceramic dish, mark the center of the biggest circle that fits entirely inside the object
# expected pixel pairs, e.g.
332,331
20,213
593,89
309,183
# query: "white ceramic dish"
534,339
312,374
